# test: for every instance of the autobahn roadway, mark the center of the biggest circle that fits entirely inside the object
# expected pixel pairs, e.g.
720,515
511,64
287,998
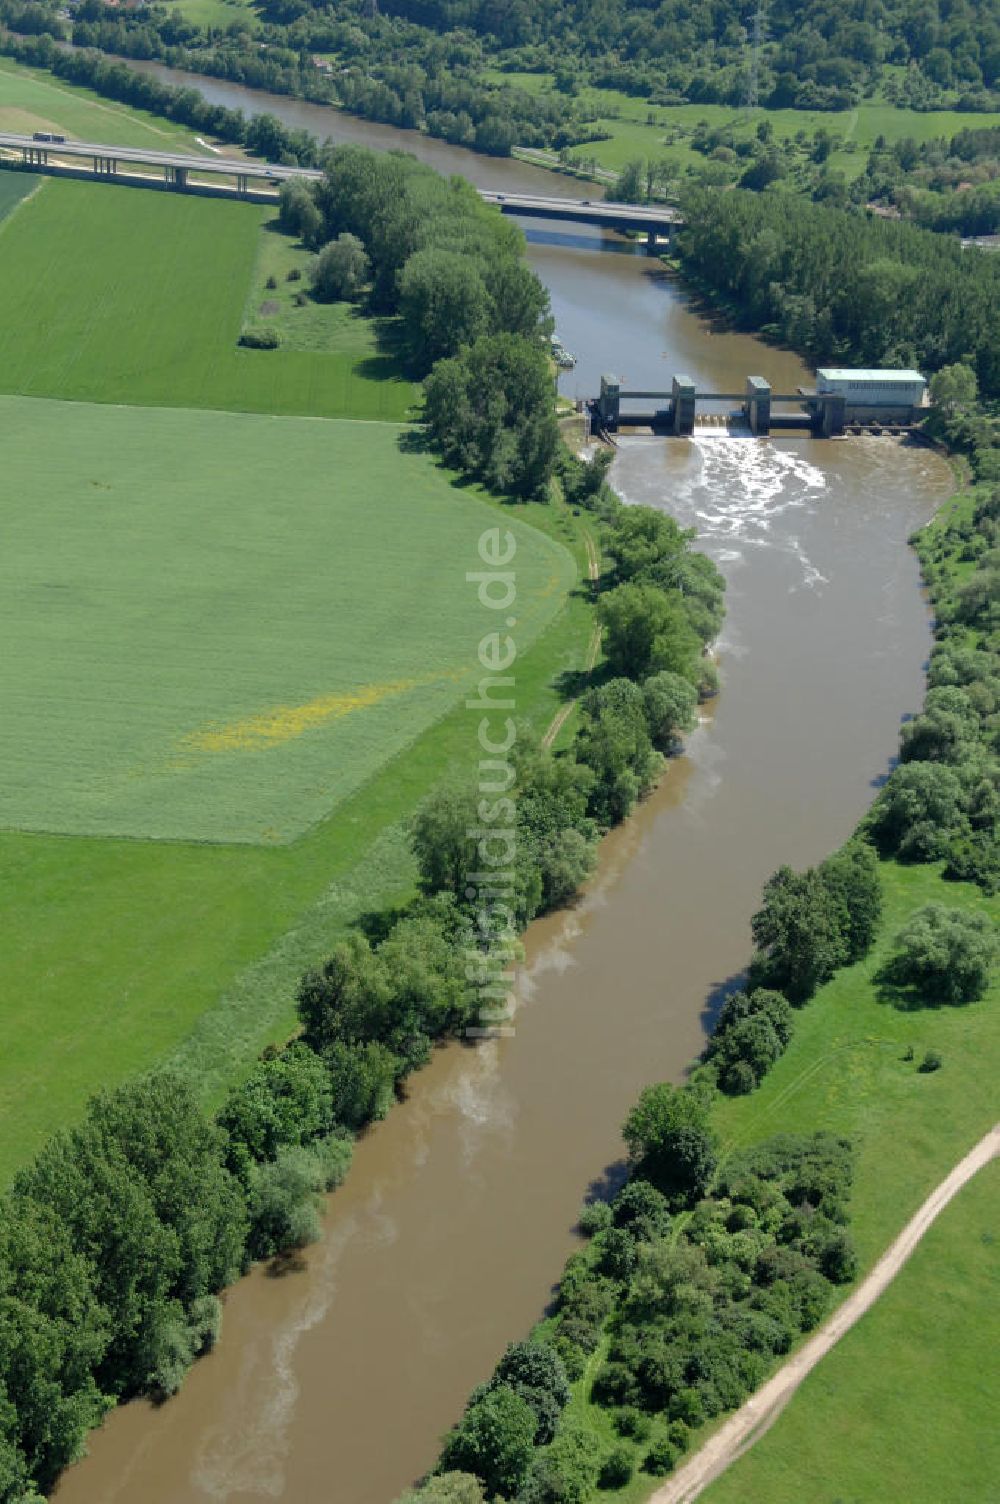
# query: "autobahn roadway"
55,155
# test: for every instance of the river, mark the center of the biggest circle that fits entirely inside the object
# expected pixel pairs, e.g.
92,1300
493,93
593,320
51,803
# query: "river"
335,1379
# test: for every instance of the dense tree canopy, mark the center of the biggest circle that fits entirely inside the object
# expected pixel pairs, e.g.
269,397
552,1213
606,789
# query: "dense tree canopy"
843,287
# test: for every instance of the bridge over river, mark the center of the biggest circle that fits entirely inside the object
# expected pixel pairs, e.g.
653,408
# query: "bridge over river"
261,180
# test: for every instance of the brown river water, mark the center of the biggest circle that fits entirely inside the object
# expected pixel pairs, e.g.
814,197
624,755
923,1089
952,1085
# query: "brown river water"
335,1378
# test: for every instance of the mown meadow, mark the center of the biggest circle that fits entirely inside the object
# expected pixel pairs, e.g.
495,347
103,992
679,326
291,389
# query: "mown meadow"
217,624
161,549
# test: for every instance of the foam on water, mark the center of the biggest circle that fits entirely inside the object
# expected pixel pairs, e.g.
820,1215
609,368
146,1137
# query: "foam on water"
735,492
743,485
247,1450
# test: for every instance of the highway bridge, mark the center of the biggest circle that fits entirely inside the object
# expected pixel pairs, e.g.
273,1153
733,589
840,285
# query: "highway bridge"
655,220
47,152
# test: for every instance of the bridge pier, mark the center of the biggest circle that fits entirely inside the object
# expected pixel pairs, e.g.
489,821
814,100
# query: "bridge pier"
685,403
758,405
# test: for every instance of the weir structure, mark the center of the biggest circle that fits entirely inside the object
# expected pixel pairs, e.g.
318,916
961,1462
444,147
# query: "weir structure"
822,414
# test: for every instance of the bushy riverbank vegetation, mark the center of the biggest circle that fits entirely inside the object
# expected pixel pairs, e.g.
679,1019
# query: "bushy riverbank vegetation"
861,1417
896,1048
142,1259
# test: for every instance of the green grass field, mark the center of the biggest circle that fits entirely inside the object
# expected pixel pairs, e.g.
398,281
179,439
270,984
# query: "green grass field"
116,954
250,541
904,1408
636,128
15,187
32,100
844,1071
217,13
115,294
217,625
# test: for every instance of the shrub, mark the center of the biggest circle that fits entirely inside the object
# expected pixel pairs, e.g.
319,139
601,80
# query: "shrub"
751,1033
271,283
931,1062
641,1207
617,1469
535,1372
448,1488
943,955
294,275
494,1440
284,1203
631,1422
595,1217
679,1434
671,708
574,1359
340,270
671,1142
566,1472
261,337
660,1459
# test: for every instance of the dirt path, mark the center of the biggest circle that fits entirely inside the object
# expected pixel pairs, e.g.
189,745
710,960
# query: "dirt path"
593,575
751,1421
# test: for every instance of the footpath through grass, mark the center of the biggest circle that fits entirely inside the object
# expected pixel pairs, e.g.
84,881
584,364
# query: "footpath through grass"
904,1408
127,295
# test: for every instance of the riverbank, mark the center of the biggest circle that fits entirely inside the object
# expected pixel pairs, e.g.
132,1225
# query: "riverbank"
856,1068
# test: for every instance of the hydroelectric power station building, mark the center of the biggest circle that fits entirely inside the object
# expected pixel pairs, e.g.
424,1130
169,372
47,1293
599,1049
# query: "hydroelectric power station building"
874,396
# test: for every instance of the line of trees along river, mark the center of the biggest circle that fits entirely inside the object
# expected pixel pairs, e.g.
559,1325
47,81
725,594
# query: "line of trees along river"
458,1212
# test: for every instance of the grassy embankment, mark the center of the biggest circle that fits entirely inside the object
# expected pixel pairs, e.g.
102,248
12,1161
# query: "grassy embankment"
219,535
